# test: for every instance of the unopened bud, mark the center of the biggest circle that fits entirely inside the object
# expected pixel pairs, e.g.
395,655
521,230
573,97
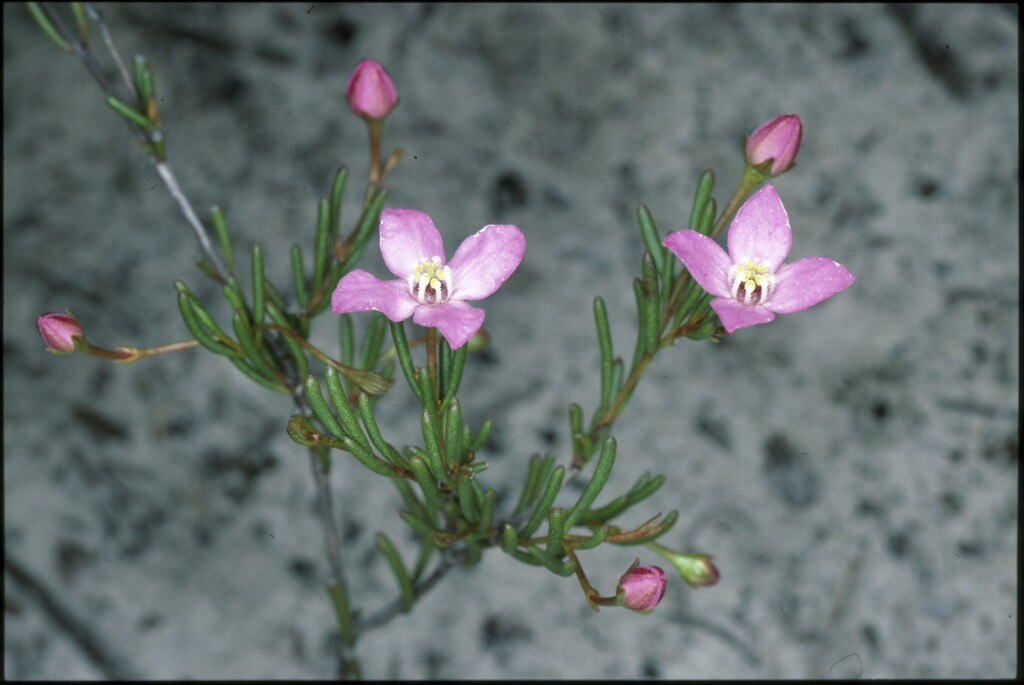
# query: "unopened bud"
777,140
641,588
60,332
370,91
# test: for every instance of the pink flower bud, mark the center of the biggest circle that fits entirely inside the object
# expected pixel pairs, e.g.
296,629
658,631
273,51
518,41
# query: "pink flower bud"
641,587
59,331
370,92
777,139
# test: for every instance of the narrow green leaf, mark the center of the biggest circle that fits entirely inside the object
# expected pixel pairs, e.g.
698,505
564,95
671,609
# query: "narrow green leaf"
368,458
509,538
220,227
247,368
575,418
201,336
692,292
453,447
405,587
233,294
258,291
657,530
47,26
604,341
707,219
315,396
428,423
243,332
648,310
649,232
560,567
82,25
416,523
700,200
427,549
321,242
369,221
337,192
487,510
372,341
554,484
602,471
531,484
641,309
344,613
298,275
641,490
467,502
344,411
458,363
426,388
481,436
594,540
346,339
405,358
426,481
373,431
129,112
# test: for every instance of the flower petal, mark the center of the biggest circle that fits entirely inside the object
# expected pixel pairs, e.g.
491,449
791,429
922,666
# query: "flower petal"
807,282
705,259
484,260
761,229
359,291
407,237
735,314
456,320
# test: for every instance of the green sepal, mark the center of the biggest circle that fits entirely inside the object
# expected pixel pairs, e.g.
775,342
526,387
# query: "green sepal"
700,199
602,471
47,26
220,227
405,587
129,112
405,358
604,341
343,409
298,275
705,329
315,396
554,484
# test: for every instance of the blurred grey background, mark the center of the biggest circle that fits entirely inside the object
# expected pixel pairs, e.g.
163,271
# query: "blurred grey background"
852,468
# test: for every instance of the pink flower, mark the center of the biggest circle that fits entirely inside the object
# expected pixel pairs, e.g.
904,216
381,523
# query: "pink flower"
430,289
59,332
641,587
370,92
750,283
777,139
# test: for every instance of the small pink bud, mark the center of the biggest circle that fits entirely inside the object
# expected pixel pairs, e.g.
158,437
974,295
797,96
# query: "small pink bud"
59,331
777,139
370,92
641,587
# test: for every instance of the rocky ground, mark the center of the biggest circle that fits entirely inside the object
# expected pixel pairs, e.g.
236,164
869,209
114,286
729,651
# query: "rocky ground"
852,468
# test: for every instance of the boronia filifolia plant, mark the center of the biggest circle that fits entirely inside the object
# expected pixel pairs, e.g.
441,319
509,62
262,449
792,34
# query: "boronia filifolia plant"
688,287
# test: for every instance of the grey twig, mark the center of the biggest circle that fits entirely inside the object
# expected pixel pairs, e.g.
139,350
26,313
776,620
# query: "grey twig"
113,666
393,609
97,17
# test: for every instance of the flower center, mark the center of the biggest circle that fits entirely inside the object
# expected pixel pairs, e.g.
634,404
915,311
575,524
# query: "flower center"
431,283
751,281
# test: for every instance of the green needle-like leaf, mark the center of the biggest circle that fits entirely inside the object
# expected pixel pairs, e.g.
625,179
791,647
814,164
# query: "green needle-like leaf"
487,511
428,423
554,484
604,341
594,540
416,523
47,26
259,296
243,332
405,586
185,306
641,490
129,112
337,191
298,275
700,200
560,567
372,341
315,396
649,232
509,538
220,227
368,458
81,24
344,411
346,339
405,358
707,219
426,481
453,446
467,502
321,241
481,436
602,471
373,431
369,221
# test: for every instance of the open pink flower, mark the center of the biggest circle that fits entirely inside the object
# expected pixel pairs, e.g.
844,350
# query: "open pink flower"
430,289
750,283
